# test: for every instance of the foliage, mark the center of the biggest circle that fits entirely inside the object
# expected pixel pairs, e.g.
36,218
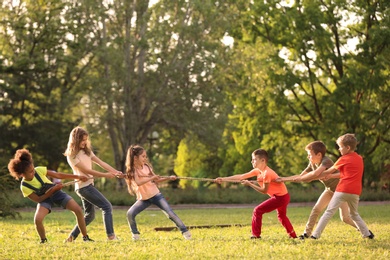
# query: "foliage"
338,241
7,184
300,78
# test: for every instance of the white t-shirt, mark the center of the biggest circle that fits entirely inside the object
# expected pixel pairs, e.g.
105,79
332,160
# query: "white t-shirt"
86,161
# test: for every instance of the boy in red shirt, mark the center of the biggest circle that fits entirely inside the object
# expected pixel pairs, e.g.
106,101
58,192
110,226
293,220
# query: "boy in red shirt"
350,166
277,191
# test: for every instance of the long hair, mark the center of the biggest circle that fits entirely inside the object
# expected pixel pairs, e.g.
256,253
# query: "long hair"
76,136
134,150
20,163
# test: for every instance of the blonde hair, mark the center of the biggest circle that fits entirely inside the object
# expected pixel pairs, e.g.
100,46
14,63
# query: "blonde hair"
348,140
76,136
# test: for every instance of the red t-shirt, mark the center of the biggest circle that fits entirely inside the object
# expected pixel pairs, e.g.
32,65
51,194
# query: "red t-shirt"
351,173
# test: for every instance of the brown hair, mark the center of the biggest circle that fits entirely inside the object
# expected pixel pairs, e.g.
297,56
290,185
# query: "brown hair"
134,150
316,147
261,153
75,138
348,140
20,163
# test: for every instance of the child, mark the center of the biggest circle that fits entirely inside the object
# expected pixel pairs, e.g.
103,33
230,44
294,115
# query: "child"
141,181
34,179
351,167
80,157
277,191
318,163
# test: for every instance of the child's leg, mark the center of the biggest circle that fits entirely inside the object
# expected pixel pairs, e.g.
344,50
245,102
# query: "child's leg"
162,203
334,204
257,217
138,207
320,205
353,203
73,206
89,216
95,198
345,215
282,214
39,216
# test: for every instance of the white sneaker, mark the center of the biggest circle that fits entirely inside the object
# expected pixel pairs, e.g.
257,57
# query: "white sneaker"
187,235
136,237
114,238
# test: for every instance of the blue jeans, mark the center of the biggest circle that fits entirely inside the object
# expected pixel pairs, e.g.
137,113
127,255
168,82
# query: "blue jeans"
159,201
91,197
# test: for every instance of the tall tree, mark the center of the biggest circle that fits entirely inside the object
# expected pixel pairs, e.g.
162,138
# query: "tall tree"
324,72
155,71
44,54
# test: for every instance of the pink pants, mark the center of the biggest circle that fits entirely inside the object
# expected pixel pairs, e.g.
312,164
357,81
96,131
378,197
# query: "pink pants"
278,203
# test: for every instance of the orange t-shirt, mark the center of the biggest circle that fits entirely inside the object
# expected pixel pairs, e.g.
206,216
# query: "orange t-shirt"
351,168
268,176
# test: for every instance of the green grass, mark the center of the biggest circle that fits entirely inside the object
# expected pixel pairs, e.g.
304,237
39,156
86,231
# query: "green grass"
19,240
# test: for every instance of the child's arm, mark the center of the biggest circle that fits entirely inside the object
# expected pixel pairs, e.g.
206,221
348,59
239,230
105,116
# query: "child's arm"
141,181
310,176
86,170
170,178
105,166
237,177
60,175
34,197
330,173
263,189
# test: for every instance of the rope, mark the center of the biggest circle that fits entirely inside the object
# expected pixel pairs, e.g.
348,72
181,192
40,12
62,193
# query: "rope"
72,182
204,179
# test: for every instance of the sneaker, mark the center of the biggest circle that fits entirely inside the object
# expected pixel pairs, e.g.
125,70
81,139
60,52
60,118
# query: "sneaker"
303,236
113,238
313,237
255,237
187,235
87,239
43,241
136,236
371,236
70,239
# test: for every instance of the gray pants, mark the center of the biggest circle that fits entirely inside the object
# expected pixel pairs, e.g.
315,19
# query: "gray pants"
320,205
334,204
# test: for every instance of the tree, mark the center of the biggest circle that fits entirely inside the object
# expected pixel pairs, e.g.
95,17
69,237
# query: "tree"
44,53
155,72
313,84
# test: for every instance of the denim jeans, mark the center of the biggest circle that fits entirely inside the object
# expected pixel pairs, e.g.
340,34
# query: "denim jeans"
91,197
159,201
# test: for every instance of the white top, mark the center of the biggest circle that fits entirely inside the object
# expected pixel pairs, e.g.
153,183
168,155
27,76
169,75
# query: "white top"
86,161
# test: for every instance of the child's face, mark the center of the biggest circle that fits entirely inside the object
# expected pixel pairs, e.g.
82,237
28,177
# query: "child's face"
29,174
314,158
141,159
256,161
83,143
343,149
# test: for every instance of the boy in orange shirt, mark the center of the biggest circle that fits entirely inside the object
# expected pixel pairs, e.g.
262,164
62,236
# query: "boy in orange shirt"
350,166
277,191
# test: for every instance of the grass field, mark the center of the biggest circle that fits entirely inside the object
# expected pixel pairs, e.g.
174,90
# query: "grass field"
19,240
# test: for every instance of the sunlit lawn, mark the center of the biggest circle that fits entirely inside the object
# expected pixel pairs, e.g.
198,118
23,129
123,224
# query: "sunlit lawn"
19,240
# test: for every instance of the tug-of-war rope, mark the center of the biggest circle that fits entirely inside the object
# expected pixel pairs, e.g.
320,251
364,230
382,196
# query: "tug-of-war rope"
204,179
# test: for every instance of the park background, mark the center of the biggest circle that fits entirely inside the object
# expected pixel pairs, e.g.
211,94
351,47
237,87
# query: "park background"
200,84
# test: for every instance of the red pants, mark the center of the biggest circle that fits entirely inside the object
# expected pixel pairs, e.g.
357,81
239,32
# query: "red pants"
279,203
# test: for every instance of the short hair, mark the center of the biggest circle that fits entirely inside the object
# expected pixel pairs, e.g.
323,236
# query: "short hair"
316,147
348,140
261,153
